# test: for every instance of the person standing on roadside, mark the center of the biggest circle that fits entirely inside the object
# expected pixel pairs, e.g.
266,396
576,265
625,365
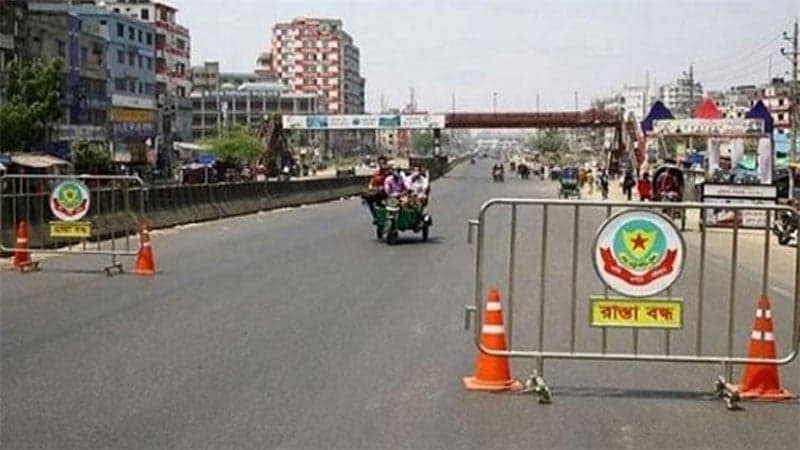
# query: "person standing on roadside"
628,183
645,188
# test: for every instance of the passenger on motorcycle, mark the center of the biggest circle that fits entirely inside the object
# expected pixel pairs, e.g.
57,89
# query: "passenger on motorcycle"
394,185
418,188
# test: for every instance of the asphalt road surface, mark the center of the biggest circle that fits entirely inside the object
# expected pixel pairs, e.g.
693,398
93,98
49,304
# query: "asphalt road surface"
297,329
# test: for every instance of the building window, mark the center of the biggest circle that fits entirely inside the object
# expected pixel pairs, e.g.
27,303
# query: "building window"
131,33
149,63
140,62
149,88
120,30
145,14
62,48
116,10
120,84
181,44
132,86
131,59
84,55
323,68
120,57
139,35
149,38
141,87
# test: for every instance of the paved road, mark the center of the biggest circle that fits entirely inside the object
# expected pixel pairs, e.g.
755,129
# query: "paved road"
296,329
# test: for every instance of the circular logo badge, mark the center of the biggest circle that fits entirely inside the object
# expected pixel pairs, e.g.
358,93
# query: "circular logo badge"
638,253
70,200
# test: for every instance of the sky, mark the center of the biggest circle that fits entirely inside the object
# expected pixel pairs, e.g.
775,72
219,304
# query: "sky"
470,49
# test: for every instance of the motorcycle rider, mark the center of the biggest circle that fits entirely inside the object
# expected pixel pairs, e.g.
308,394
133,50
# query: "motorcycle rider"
375,191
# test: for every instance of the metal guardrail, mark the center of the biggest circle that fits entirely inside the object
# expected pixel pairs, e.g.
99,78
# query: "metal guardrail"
116,208
545,348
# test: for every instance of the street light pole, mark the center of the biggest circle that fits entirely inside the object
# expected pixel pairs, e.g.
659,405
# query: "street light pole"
793,110
494,102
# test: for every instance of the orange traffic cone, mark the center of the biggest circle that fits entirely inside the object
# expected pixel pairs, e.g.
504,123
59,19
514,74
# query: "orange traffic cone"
492,373
22,257
762,381
145,265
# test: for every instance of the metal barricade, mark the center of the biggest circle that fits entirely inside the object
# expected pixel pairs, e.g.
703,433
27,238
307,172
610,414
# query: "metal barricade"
541,250
108,209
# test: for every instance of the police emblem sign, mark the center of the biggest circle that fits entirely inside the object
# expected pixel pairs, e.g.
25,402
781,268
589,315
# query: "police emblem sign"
638,253
70,201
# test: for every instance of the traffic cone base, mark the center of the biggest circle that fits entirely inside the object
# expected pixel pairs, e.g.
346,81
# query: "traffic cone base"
762,381
474,384
766,394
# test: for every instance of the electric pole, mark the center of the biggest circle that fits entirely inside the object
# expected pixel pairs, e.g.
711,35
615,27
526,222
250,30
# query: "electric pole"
793,93
494,102
690,76
537,102
454,103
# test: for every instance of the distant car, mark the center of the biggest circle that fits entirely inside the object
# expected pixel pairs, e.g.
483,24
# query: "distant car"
345,171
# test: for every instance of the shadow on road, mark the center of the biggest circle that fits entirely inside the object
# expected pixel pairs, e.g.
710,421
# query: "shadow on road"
607,392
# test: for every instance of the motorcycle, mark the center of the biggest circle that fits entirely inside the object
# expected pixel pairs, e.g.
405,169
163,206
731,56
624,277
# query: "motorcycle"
497,174
786,229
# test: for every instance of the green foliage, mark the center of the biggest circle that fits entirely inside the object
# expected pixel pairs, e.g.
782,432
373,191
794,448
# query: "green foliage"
549,141
236,145
32,103
422,141
89,157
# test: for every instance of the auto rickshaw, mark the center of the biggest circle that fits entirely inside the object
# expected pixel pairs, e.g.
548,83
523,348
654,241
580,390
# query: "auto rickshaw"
569,183
392,216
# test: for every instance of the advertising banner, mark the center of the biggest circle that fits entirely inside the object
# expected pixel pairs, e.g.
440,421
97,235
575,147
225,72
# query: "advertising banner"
363,121
739,195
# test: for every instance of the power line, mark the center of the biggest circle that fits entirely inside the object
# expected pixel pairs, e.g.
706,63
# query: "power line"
741,59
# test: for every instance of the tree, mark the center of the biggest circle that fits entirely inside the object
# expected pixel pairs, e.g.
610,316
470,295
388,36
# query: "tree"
422,141
33,101
550,141
236,145
90,157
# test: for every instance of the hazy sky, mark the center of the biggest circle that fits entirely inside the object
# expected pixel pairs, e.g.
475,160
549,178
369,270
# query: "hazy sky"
471,48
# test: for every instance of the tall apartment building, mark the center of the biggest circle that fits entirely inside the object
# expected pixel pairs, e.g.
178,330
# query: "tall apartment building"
172,62
56,32
316,56
682,96
129,62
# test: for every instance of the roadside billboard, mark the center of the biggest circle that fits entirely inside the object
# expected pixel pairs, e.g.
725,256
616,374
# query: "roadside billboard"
363,121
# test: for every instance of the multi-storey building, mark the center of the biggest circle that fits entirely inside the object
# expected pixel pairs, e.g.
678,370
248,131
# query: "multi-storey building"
316,56
247,104
682,96
777,98
130,64
172,62
12,38
53,31
208,78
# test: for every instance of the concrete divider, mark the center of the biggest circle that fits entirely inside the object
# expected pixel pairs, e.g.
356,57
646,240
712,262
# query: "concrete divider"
117,211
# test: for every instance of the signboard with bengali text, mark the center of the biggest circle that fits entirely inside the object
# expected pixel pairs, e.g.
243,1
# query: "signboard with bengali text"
709,127
636,313
70,229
